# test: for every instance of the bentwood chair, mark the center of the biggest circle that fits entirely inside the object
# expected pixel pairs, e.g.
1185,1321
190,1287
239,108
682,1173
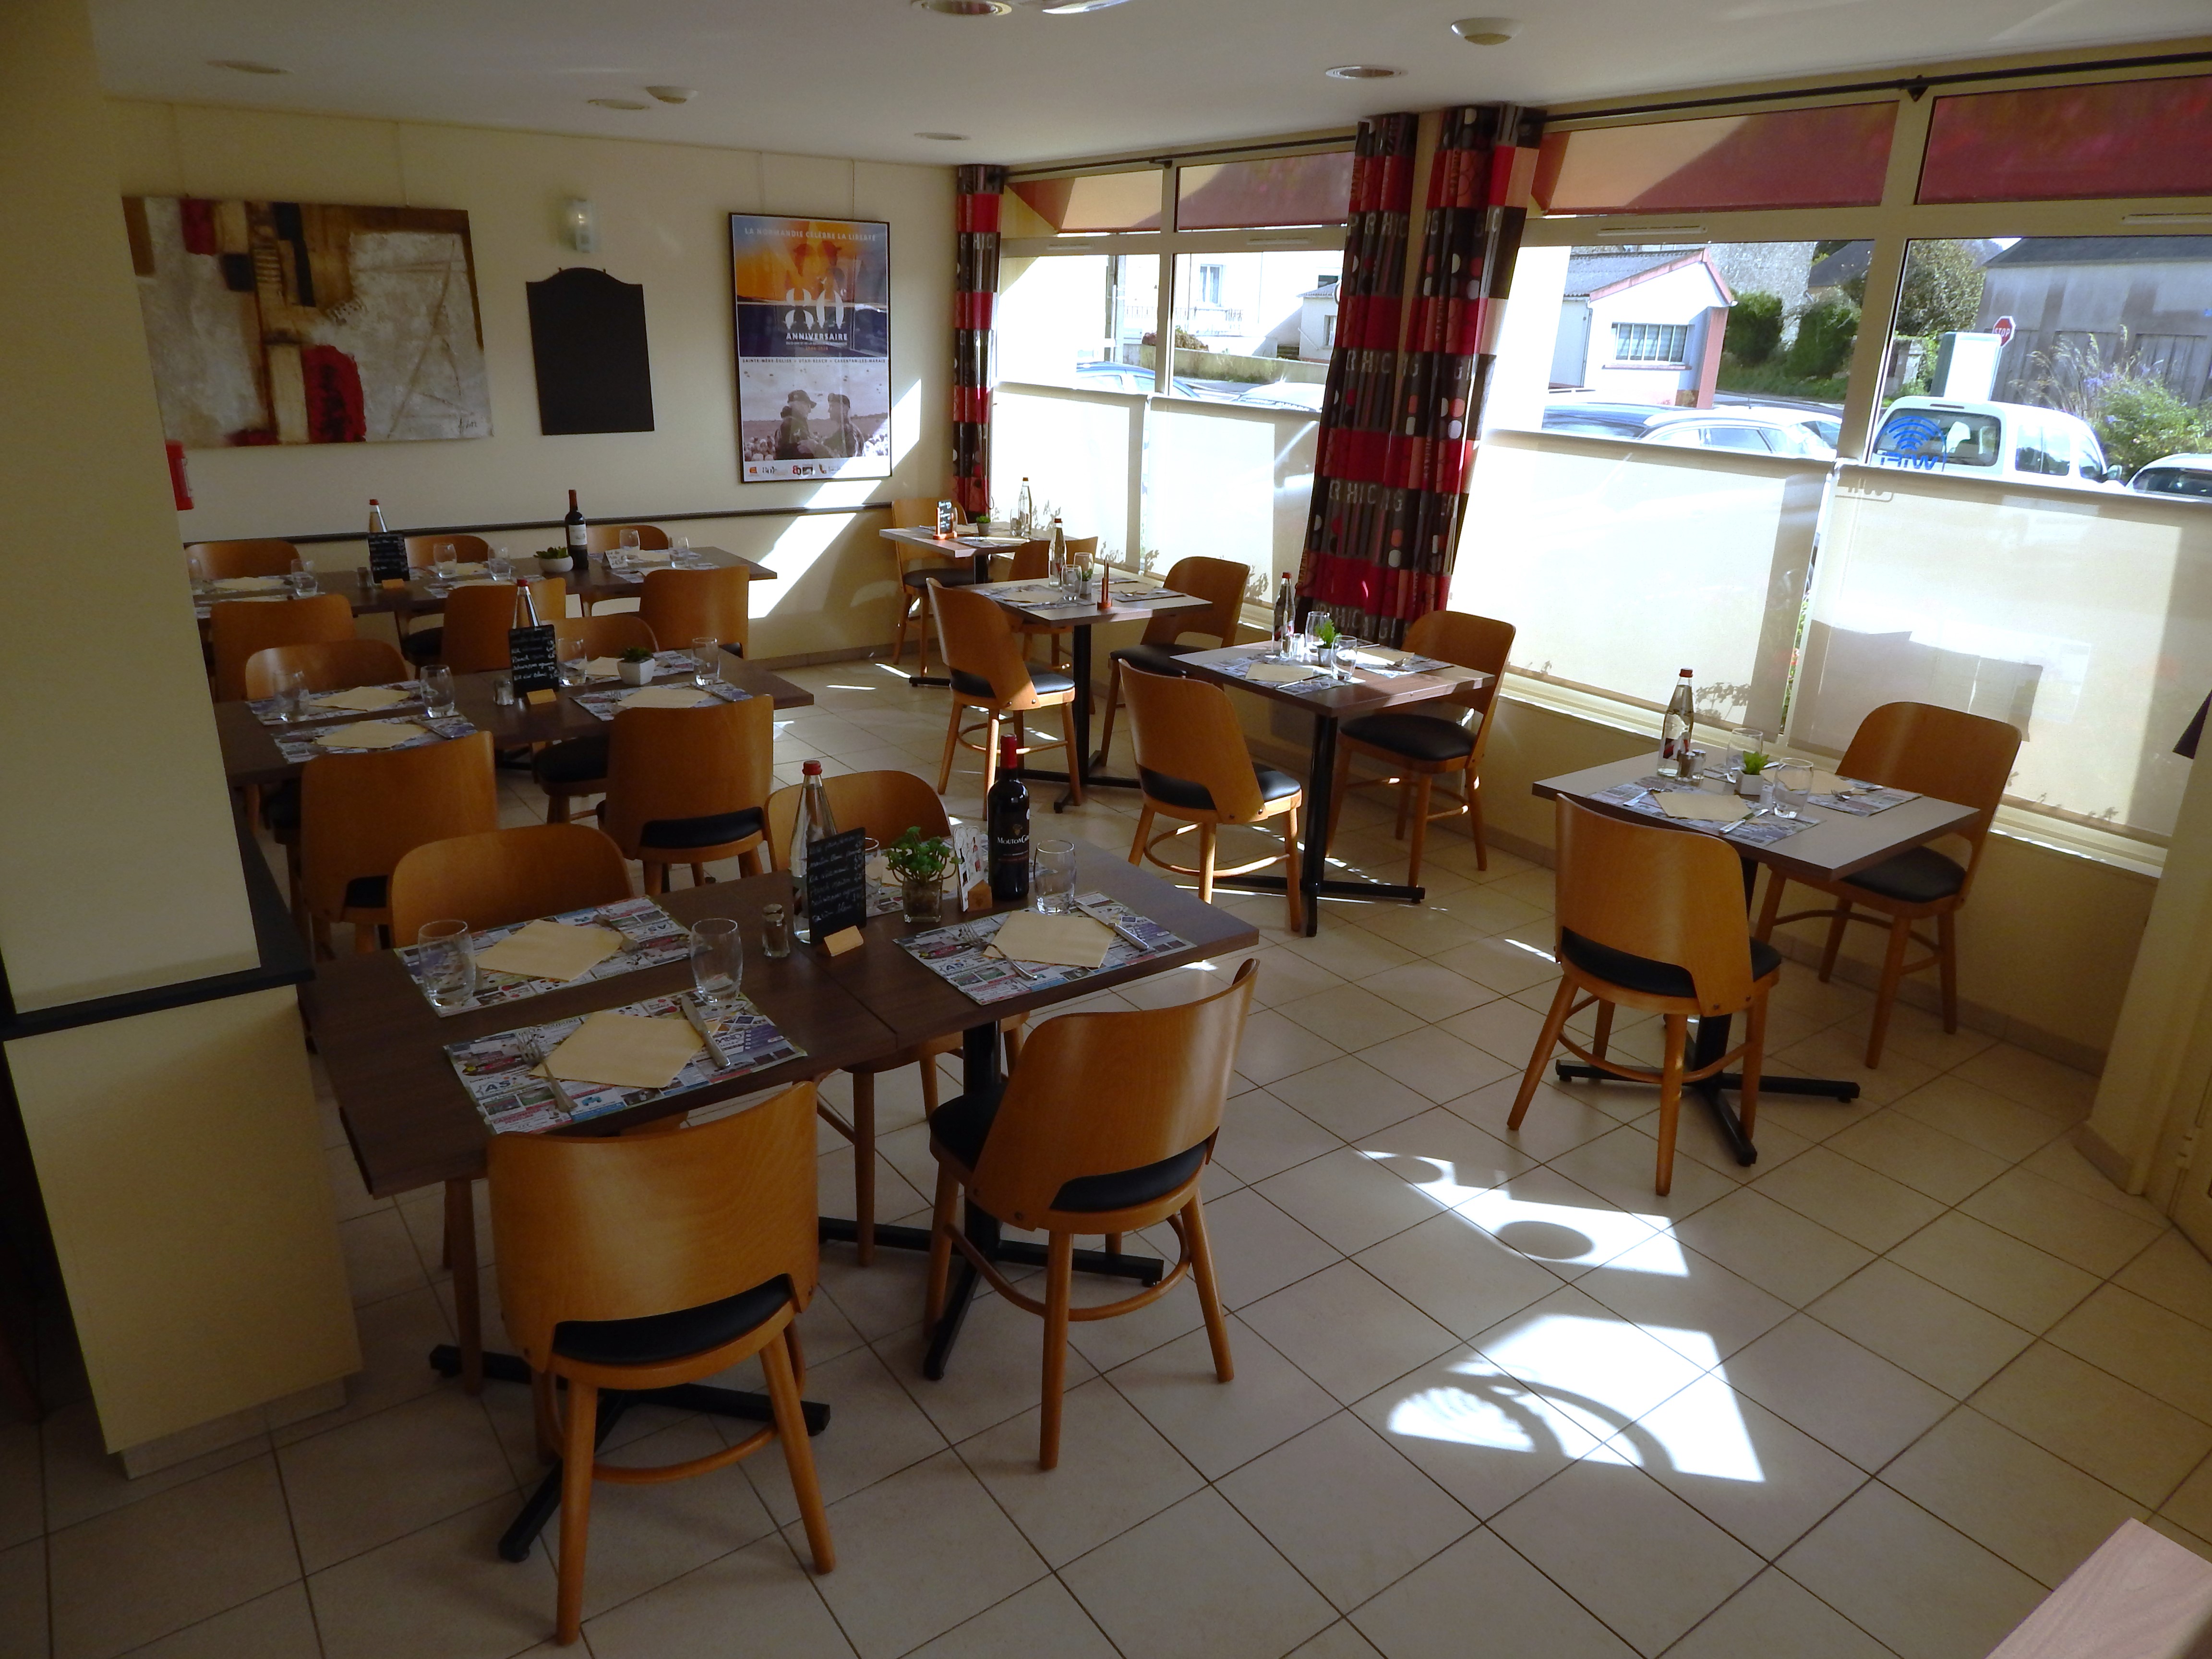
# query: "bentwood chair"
917,567
424,645
680,606
886,806
1652,918
688,785
326,665
1220,583
578,766
1105,1125
1193,766
637,1262
605,538
239,628
1416,749
255,556
1032,563
1930,751
983,655
360,814
478,618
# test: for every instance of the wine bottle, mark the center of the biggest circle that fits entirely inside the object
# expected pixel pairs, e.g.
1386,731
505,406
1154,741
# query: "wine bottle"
578,541
1025,511
1055,557
1677,728
813,825
1006,824
1283,608
376,518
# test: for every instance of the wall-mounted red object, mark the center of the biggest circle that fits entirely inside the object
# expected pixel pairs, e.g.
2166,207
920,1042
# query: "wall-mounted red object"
179,483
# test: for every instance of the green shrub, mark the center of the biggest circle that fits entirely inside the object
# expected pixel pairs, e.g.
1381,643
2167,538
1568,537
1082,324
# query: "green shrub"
1754,327
1825,334
1777,381
2138,419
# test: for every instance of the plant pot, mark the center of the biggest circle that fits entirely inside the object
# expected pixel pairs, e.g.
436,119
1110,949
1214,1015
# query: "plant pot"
921,901
1748,786
554,566
634,673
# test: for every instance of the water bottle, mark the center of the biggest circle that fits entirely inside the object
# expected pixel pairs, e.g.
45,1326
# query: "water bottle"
1055,557
1677,728
1283,609
1025,511
813,825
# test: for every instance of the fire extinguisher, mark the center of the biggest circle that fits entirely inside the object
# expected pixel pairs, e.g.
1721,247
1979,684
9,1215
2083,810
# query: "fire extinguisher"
179,483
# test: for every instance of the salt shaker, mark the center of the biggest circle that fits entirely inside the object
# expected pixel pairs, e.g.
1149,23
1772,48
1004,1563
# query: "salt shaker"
776,931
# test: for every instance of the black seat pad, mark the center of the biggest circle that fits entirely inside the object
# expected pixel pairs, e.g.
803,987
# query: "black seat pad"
1154,659
659,1337
1049,682
280,807
1918,875
961,1126
1644,974
948,578
1181,792
1418,737
425,645
573,759
369,893
682,835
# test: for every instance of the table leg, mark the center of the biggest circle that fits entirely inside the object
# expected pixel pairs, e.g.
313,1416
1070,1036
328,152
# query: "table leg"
461,1259
1079,764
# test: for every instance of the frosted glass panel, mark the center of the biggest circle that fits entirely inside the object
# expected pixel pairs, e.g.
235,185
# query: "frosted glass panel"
1075,450
1228,486
2052,143
1833,156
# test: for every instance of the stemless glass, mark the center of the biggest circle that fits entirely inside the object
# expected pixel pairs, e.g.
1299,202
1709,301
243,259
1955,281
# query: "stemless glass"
198,572
706,662
718,962
437,689
447,963
1780,781
304,585
1052,877
446,564
630,541
1747,742
573,663
498,568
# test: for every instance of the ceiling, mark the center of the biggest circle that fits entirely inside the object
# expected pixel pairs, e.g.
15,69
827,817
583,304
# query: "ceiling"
861,78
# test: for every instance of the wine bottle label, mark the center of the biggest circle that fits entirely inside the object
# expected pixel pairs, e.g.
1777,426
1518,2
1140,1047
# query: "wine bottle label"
1010,859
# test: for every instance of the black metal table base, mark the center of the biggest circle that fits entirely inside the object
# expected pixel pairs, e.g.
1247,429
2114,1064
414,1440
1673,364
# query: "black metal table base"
1329,887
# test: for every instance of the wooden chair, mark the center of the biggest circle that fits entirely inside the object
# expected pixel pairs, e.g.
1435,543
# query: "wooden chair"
1220,583
1416,749
361,814
255,556
1931,752
680,606
917,567
1192,766
239,628
1032,563
478,619
984,657
634,1263
1652,918
578,766
885,804
328,664
606,537
422,551
501,875
1104,1126
689,786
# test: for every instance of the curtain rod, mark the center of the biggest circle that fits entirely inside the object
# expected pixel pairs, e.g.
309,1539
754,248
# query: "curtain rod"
1185,157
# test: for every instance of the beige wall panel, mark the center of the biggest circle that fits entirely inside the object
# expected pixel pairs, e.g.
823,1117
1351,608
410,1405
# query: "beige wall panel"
146,143
814,187
264,155
182,1170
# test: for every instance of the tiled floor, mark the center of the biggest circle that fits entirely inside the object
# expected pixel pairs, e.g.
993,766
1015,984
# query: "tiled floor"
1875,1395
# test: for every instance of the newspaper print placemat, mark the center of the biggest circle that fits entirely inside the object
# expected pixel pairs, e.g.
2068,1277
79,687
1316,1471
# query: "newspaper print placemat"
499,1072
299,744
1862,800
277,711
651,937
605,705
663,662
964,956
1757,831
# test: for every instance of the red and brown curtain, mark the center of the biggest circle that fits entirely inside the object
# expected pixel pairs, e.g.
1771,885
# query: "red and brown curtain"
975,291
1402,404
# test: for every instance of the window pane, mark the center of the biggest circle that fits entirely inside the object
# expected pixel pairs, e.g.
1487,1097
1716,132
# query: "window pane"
1830,157
1078,319
1284,190
1255,327
2055,144
1229,485
1074,450
1097,201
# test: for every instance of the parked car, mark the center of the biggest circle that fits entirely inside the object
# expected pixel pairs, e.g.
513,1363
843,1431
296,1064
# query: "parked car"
2175,475
1131,377
1286,394
1825,421
1991,440
1686,428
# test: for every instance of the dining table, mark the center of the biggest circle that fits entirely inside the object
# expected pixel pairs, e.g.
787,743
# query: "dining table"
979,548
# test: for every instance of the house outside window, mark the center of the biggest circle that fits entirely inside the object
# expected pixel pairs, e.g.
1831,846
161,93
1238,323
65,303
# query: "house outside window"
1208,286
1650,343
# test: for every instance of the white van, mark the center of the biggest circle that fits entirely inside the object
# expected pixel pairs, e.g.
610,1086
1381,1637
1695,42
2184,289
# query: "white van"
1989,440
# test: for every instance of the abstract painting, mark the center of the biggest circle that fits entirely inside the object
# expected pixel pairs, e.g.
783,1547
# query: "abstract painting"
296,323
813,334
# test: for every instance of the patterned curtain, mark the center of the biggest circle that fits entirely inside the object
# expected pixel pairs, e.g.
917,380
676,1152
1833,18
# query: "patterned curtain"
974,290
1376,569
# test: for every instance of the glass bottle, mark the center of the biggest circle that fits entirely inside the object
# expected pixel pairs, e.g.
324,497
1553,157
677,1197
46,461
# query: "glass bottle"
1024,510
376,518
1677,729
1055,557
1006,826
813,823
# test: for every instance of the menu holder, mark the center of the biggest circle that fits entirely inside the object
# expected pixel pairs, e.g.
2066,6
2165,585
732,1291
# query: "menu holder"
534,659
388,557
837,883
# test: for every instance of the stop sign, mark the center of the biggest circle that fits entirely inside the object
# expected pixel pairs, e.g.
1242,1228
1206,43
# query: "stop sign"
2004,331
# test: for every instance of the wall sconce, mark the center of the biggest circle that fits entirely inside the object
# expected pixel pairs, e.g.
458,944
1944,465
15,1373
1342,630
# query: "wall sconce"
579,225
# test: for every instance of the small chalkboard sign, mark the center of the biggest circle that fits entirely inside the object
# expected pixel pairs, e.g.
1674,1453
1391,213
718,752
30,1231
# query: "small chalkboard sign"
837,883
533,659
388,557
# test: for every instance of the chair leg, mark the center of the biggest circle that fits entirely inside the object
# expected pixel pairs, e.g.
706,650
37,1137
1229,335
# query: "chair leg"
1144,828
1754,1049
1670,1101
991,748
1059,1276
1837,923
1113,702
898,637
1209,1294
1555,1020
1771,907
1011,1036
557,807
1885,999
1207,833
1074,754
1422,784
545,1415
1405,795
655,875
929,1085
1292,892
1471,788
1603,1034
863,1164
698,875
940,1247
797,1452
577,1450
1947,966
1338,783
951,744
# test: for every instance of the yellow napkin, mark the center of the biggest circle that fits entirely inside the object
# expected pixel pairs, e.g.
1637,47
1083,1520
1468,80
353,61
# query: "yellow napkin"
1070,941
1280,673
505,582
467,570
602,668
1826,783
1700,808
643,554
665,696
248,584
626,1051
370,734
366,698
551,950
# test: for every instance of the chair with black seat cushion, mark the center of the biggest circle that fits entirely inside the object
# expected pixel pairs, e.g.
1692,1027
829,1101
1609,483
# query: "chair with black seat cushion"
1105,1125
1192,766
237,629
608,537
1416,749
578,766
1220,583
324,665
427,644
260,555
680,606
1652,918
983,654
688,785
1032,563
631,1262
1930,751
360,814
917,565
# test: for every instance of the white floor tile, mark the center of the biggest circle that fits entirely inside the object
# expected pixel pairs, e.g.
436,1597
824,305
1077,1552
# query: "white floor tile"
1939,1338
1777,1249
1348,1199
1347,1330
2139,1342
1687,1301
442,1592
1981,1118
2069,1224
1262,1136
1480,1585
1774,1617
2113,1430
1850,1400
1349,1097
2173,1273
1258,1249
1552,1220
1994,1270
1847,1198
1220,1425
762,1590
1044,1619
1557,1120
1351,1016
1458,1274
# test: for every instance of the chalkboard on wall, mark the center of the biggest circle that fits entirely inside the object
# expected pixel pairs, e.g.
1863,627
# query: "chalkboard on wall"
587,338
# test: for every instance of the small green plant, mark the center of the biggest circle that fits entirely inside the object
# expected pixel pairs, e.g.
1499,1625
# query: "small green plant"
1326,632
637,653
550,554
1755,761
915,856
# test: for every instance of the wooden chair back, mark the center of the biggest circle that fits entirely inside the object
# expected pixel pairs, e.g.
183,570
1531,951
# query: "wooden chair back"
604,538
254,557
500,876
239,628
1482,643
686,763
329,665
1032,561
478,619
609,633
915,511
361,814
594,1227
1967,758
680,606
1097,1094
976,636
1188,729
422,551
886,805
1671,895
1220,583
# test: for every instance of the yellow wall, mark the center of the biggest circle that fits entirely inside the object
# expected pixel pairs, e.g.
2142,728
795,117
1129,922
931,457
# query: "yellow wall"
662,221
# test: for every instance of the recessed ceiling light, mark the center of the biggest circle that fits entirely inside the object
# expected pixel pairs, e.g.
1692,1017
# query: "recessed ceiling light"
619,103
244,66
1070,7
1486,31
966,8
945,138
1361,72
674,95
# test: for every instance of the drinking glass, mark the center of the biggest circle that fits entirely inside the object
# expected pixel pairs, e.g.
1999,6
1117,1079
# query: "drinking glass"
718,962
1052,877
1747,742
1346,654
498,568
706,662
1781,780
446,564
681,553
304,584
292,694
629,543
437,690
447,963
776,931
198,572
573,662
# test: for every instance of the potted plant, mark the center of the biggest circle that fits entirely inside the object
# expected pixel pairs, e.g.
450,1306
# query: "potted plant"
635,666
921,864
1755,761
553,561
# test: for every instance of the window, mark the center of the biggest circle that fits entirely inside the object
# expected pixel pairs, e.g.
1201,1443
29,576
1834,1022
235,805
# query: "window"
1827,157
1934,437
1209,286
1650,343
2052,143
1284,190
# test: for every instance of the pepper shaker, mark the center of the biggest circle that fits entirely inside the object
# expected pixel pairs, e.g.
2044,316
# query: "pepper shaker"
776,931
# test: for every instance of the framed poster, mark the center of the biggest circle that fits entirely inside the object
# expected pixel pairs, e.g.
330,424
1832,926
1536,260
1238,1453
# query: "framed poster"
813,307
